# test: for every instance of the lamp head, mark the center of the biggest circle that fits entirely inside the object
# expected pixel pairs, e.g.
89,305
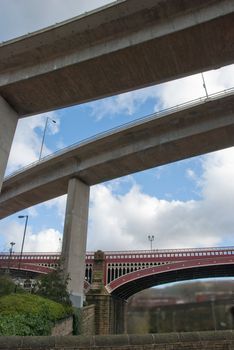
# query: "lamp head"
22,216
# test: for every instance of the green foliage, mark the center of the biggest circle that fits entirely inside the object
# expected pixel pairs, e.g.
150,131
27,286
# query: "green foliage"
27,314
21,324
54,286
7,286
77,321
32,304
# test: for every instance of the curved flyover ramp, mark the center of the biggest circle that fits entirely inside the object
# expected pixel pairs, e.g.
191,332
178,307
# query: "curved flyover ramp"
175,134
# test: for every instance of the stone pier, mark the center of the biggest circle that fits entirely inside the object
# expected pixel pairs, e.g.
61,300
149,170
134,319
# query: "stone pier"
109,311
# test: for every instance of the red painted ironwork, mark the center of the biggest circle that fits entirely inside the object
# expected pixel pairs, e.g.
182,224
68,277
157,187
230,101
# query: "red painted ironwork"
124,266
175,266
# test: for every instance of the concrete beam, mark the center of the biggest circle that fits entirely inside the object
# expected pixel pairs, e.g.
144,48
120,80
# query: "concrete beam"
74,239
8,122
206,127
122,46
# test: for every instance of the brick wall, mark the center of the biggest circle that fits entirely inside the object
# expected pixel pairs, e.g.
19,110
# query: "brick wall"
63,327
220,340
87,319
109,314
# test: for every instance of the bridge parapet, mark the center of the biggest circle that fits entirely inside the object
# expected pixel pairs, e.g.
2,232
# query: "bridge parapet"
208,340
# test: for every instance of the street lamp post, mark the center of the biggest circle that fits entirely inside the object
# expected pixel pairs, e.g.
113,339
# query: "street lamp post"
43,137
11,251
204,85
151,239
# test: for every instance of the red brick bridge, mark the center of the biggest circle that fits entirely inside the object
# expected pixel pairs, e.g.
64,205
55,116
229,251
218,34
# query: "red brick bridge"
124,273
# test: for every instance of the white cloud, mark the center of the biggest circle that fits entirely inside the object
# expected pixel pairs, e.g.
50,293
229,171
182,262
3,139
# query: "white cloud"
218,190
59,204
19,17
27,141
124,222
47,240
189,88
191,174
166,95
127,103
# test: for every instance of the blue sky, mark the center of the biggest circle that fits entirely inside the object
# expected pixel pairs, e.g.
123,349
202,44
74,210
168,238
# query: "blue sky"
185,204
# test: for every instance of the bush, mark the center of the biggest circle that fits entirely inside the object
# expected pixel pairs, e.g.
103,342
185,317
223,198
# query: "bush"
21,324
7,286
27,314
54,286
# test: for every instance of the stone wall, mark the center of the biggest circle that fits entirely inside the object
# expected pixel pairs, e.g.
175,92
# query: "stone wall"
63,327
87,320
221,340
109,314
189,317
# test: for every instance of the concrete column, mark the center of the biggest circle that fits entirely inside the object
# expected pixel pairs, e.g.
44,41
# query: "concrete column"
74,238
8,122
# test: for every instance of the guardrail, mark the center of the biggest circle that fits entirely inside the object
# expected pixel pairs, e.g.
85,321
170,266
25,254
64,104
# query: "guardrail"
230,250
161,113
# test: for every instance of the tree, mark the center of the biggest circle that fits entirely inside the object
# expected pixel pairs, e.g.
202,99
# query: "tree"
7,285
54,286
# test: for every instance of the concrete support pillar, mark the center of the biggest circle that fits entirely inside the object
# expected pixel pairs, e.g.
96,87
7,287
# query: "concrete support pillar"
8,122
74,238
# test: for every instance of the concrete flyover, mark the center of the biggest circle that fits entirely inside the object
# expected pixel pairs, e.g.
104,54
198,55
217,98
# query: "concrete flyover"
126,45
178,134
122,46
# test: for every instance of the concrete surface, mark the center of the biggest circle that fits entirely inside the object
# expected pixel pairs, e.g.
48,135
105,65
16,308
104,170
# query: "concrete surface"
74,239
8,122
203,128
123,46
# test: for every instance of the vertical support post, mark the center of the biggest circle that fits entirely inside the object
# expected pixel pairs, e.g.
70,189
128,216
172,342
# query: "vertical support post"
75,237
8,122
109,311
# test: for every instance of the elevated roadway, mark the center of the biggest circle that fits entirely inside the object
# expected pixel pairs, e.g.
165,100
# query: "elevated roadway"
126,45
172,135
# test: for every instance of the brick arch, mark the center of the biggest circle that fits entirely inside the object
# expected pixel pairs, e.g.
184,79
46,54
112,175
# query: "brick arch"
132,283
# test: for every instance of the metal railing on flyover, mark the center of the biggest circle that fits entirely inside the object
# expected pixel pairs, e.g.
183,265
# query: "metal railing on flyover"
149,117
